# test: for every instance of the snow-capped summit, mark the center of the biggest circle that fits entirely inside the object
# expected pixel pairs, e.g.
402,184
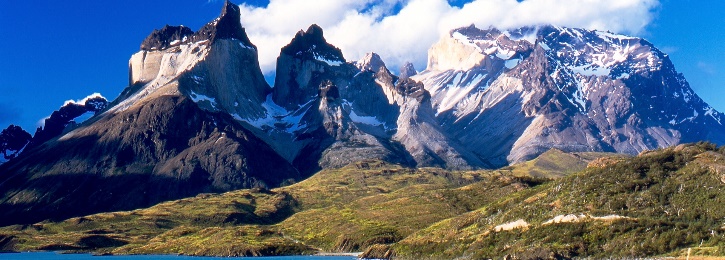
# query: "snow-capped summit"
371,62
198,115
572,89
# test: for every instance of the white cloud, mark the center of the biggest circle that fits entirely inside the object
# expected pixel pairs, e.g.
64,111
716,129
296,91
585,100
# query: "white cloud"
361,26
83,101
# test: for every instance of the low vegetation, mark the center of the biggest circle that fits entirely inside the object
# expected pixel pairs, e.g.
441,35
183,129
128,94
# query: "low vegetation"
660,203
657,204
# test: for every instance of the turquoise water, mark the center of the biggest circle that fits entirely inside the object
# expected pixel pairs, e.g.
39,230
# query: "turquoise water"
56,256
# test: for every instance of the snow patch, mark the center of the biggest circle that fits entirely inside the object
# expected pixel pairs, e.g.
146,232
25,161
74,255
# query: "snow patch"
85,116
197,79
590,70
465,40
608,37
458,89
368,120
171,66
623,76
504,54
709,111
245,46
11,154
196,97
278,117
510,64
329,62
545,46
692,118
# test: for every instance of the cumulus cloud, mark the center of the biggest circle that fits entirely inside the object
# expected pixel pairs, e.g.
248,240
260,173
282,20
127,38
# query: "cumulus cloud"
403,30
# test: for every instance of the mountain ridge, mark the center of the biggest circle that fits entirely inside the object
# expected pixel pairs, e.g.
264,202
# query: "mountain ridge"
198,113
170,134
561,78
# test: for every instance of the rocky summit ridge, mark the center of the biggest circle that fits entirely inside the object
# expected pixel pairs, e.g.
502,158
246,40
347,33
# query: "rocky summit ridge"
198,115
172,133
226,26
555,87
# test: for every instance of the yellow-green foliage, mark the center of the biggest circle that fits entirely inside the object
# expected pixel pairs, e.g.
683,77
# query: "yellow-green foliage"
658,203
347,209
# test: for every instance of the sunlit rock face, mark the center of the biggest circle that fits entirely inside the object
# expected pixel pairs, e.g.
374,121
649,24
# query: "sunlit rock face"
199,117
511,95
174,132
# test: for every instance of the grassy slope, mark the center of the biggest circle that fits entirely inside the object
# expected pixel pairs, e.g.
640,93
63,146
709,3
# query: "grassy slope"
346,209
668,200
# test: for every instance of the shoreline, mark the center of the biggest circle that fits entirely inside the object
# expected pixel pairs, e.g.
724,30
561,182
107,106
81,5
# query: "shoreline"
355,254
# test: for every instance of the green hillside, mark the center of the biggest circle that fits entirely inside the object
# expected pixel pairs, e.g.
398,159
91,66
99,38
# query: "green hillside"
657,204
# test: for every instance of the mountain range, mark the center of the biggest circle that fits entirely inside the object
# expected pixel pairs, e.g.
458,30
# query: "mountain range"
198,116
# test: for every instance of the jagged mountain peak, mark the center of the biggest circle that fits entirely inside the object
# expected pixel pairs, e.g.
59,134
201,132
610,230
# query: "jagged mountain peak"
476,33
13,141
226,26
407,71
311,44
601,91
371,62
469,47
67,117
303,64
313,32
488,98
217,67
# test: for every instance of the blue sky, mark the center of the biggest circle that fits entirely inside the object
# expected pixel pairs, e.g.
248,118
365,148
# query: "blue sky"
53,51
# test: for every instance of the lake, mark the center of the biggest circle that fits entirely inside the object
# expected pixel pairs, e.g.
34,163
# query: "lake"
57,256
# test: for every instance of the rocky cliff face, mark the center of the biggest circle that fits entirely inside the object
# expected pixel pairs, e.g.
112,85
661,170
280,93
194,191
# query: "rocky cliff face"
173,133
198,116
421,135
13,141
330,112
137,158
329,108
67,117
217,67
512,95
407,71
